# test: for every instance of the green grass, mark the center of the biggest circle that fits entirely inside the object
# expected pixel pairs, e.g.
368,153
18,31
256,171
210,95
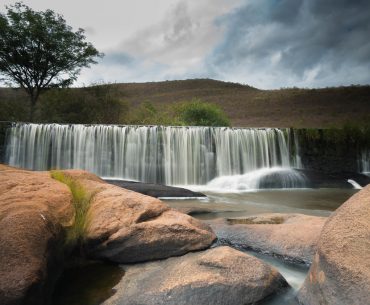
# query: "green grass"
81,202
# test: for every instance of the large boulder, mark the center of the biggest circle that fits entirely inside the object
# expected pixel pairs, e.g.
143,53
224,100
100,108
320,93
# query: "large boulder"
126,227
216,277
33,209
340,273
292,237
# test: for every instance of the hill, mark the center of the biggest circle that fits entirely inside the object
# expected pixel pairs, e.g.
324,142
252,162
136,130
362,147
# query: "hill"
245,105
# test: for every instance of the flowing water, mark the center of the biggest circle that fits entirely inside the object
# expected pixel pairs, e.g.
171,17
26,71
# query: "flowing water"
364,162
316,202
243,171
169,155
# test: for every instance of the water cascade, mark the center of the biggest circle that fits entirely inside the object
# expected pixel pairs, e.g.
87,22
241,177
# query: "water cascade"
364,162
264,178
169,155
354,184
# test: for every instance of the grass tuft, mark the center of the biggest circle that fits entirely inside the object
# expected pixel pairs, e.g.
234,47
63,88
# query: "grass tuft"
81,202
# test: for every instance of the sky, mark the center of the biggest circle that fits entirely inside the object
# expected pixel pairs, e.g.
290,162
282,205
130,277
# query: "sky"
263,43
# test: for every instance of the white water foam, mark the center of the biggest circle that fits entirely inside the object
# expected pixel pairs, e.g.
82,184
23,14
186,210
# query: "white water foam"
354,184
265,178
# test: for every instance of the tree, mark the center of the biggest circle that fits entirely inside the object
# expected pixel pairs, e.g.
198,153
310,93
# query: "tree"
198,113
38,50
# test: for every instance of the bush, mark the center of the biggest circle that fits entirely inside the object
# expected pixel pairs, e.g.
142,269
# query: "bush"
198,113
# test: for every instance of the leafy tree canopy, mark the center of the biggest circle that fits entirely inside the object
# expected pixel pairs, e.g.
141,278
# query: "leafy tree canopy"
38,50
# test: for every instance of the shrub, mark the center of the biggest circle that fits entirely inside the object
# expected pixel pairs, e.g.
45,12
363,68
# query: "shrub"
81,202
198,113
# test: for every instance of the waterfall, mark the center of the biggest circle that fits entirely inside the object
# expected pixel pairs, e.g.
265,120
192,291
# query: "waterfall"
364,162
157,154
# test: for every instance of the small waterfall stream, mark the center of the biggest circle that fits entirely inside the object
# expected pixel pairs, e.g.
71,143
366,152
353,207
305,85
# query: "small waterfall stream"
364,162
156,154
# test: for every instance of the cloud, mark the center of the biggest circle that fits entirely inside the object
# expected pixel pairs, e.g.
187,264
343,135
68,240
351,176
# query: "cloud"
264,43
173,48
275,43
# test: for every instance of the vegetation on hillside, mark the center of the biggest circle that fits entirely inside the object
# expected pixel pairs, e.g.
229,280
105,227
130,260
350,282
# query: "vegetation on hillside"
198,113
98,104
156,103
188,113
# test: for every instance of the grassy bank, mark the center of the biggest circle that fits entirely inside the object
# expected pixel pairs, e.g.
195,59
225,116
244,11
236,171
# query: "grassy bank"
245,106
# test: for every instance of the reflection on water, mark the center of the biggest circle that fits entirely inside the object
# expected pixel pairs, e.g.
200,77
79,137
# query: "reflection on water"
87,285
318,202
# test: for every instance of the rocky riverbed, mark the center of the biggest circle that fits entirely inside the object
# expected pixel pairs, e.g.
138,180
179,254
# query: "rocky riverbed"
166,255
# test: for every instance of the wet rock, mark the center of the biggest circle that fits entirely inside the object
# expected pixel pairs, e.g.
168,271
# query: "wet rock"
156,190
292,237
318,179
218,276
33,209
340,273
126,227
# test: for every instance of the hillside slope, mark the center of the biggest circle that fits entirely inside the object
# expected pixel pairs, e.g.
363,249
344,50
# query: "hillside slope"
248,106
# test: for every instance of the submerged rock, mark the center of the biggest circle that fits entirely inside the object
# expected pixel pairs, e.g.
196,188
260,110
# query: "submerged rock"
340,273
126,227
290,236
33,209
217,276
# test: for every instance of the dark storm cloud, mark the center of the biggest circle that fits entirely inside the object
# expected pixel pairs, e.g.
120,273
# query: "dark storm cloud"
307,41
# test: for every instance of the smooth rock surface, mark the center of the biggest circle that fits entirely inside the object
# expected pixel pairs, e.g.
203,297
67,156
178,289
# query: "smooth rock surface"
340,273
219,276
156,190
126,227
290,236
33,209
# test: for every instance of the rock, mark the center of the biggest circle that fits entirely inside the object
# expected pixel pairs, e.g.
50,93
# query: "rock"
156,190
340,273
217,276
33,209
292,237
318,179
126,227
